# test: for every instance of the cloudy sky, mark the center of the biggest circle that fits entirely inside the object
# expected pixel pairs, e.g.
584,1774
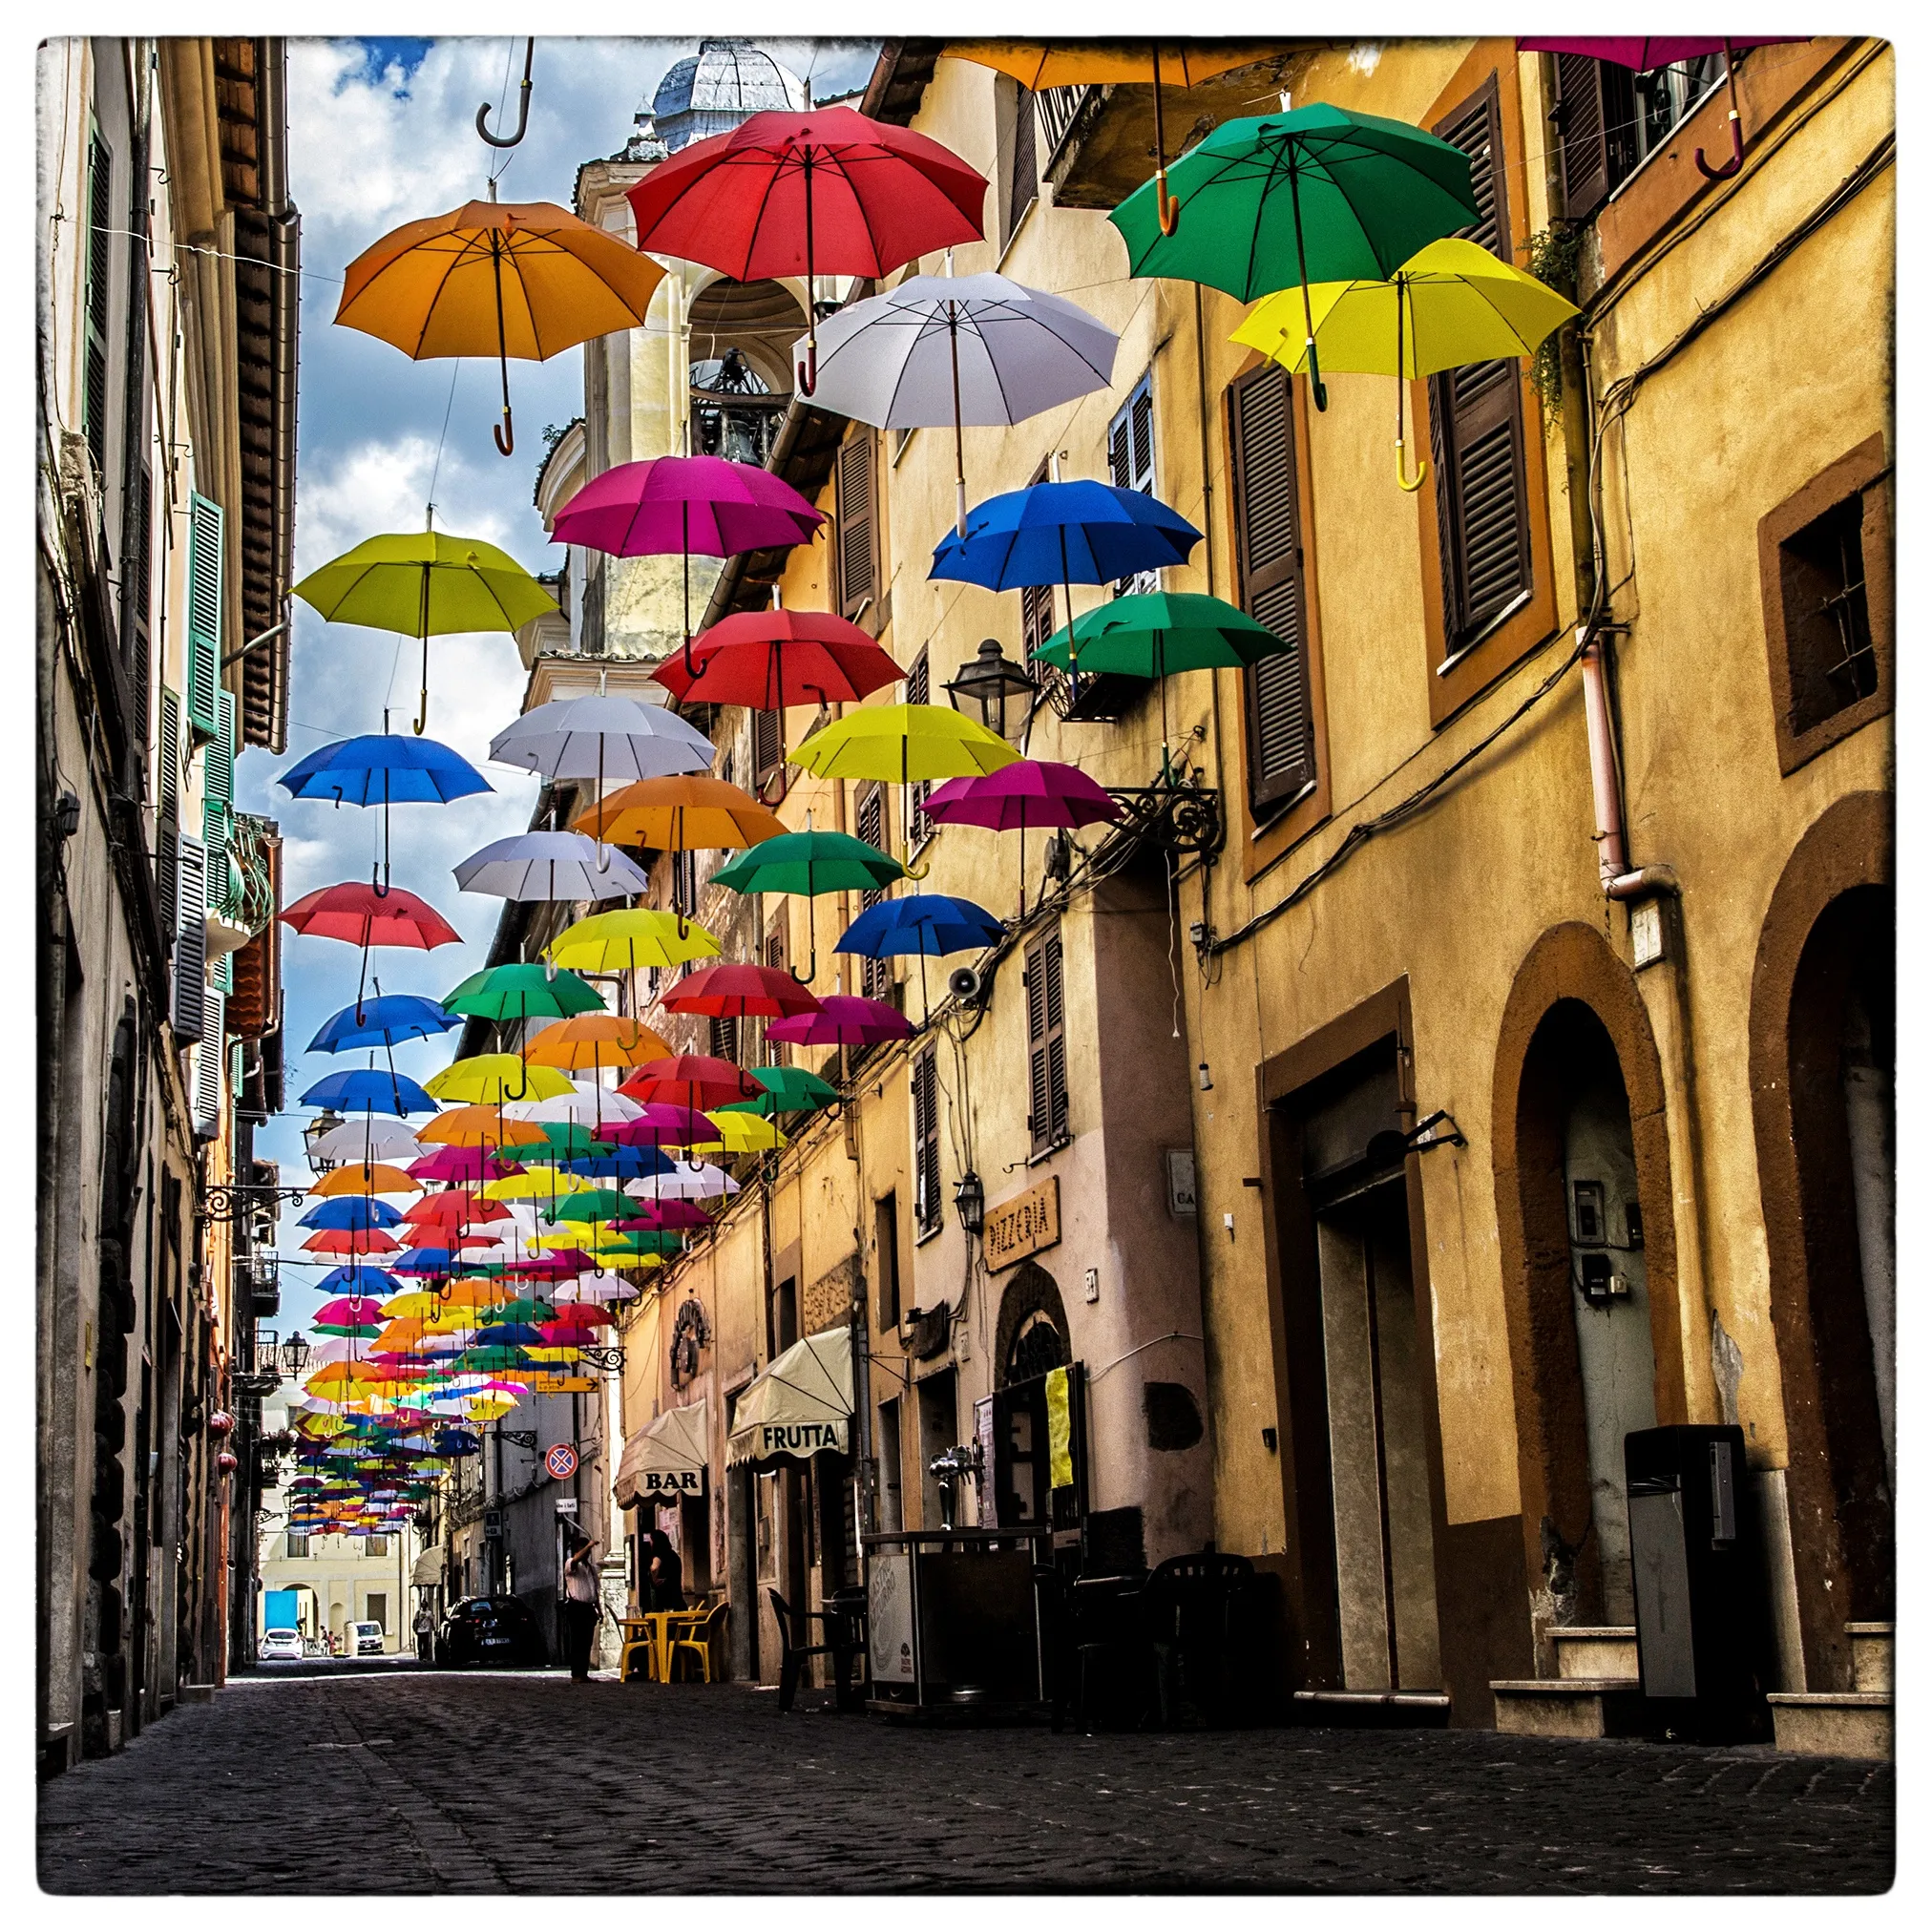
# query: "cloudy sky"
382,132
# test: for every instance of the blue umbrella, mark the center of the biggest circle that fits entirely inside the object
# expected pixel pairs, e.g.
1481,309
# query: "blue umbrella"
383,768
351,1211
383,1022
1064,533
922,922
360,1278
621,1163
426,1260
370,1088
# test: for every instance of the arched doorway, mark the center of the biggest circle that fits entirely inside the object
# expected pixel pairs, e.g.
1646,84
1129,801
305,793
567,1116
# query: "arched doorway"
1031,1341
1822,1050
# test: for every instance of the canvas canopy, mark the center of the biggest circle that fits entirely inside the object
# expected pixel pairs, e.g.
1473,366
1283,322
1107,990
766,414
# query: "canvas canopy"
428,1565
800,1405
665,1459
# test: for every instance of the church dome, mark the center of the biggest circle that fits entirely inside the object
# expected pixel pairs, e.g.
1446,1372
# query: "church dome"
713,90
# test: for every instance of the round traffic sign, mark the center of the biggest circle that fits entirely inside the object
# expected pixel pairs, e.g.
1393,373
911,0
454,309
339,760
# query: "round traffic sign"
561,1459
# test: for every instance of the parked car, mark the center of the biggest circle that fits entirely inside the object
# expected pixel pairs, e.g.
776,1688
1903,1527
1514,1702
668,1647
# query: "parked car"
368,1640
491,1631
280,1647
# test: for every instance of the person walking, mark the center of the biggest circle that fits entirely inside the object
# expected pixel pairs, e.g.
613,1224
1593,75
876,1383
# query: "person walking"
580,1609
426,1630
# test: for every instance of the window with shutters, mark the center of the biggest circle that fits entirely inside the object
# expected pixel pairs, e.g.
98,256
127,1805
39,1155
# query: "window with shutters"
209,1055
1608,121
925,1096
167,811
1476,423
136,596
1131,464
724,1036
1022,166
1045,1045
774,1052
875,978
205,563
99,252
1270,581
920,826
768,755
856,507
191,940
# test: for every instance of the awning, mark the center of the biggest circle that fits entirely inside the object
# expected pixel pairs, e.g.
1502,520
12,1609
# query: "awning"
799,1405
667,1458
429,1568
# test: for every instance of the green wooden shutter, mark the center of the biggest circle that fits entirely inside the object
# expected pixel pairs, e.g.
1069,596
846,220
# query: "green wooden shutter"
94,375
206,550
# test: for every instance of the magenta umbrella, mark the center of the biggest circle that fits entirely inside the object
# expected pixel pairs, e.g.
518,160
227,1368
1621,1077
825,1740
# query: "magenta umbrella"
685,504
1030,791
843,1020
662,1214
451,1163
662,1123
1642,52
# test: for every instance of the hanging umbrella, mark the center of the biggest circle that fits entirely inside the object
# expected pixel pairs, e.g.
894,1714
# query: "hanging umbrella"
371,915
977,348
687,1181
843,1020
351,1211
480,1126
550,865
365,1178
457,1163
596,1041
695,813
1450,304
349,1241
740,1134
348,1315
620,1163
1035,791
385,1020
687,506
620,941
771,660
788,1089
523,992
739,991
809,863
454,1208
366,1140
358,1281
369,1089
1038,65
383,768
590,1107
1315,195
491,1078
602,738
1645,51
669,1215
827,192
661,1123
523,278
922,923
425,584
691,1080
903,743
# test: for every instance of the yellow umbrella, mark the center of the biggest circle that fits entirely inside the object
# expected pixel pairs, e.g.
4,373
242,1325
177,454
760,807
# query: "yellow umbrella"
740,1134
542,1183
610,942
365,1179
1450,304
524,279
904,742
494,1078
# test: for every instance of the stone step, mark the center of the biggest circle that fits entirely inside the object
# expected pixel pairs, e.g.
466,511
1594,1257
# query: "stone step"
1373,1709
1833,1723
1595,1652
1870,1656
1570,1707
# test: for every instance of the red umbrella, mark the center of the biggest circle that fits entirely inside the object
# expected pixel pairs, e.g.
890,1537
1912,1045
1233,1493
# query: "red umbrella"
456,1208
771,660
803,194
369,916
731,991
1643,51
350,1241
842,1020
691,1080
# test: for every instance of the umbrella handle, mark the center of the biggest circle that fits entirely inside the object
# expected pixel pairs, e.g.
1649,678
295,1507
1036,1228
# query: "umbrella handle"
919,872
523,112
1409,484
1167,206
504,433
808,370
1736,160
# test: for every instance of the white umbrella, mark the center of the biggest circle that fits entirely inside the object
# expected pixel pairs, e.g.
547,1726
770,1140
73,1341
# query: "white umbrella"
550,865
603,738
602,1289
971,349
367,1140
686,1181
588,1106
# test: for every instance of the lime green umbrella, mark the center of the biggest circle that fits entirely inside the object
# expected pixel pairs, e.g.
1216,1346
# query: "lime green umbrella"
1158,634
903,743
788,1090
809,863
1315,195
425,583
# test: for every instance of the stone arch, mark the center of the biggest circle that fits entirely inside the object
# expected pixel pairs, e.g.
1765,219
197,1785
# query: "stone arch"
762,319
1832,901
1572,978
1031,1292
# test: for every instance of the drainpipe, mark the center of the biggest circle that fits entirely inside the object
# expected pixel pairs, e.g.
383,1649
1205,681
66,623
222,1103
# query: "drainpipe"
1607,785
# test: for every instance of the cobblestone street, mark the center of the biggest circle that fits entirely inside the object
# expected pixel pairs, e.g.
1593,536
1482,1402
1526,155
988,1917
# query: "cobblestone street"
527,1783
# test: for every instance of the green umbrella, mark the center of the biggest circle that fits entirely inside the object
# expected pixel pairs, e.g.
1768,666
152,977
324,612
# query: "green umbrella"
1157,634
568,1140
788,1090
529,992
591,1204
515,1310
809,863
425,584
1315,195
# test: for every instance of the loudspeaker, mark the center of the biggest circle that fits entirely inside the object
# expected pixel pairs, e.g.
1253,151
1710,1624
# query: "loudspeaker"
963,983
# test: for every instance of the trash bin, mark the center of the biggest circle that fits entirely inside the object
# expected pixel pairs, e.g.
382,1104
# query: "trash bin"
1699,1598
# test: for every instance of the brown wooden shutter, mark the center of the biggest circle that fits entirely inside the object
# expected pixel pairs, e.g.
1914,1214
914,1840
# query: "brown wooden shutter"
1024,178
1475,421
724,1036
857,524
1045,1043
1595,117
1267,563
99,248
768,747
774,1052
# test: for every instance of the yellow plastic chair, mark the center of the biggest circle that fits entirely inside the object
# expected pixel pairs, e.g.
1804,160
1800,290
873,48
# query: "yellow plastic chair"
704,1634
639,1639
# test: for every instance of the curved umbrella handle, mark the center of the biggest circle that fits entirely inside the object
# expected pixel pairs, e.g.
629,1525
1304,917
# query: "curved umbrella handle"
919,872
1736,160
1411,485
808,370
505,433
810,974
523,112
1167,206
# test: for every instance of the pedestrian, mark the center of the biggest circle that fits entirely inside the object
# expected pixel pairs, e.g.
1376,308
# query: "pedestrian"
668,1573
579,1609
426,1630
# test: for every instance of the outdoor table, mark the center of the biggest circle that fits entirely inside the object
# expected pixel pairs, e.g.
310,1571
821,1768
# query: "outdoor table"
657,1628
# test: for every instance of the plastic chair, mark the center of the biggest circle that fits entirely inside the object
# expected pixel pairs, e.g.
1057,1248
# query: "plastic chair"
792,1628
704,1634
637,1642
1190,1608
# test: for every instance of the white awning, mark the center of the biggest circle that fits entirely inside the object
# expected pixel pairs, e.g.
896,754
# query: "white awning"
799,1405
667,1458
428,1568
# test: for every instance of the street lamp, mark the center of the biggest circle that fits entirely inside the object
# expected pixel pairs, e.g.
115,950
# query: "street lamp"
295,1356
324,1122
988,686
969,1198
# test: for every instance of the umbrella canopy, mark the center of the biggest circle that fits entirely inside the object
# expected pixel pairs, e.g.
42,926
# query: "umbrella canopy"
494,1078
1080,531
692,813
602,738
383,768
902,744
587,1104
924,922
367,1140
730,991
454,1208
351,1211
349,1315
523,992
385,1020
550,865
620,1163
801,1404
687,1181
826,192
349,1241
1643,51
740,1134
456,1162
481,1126
365,1178
704,506
809,863
1035,791
596,1041
497,278
671,1215
426,584
369,1089
975,349
1315,195
788,1089
771,659
691,1080
843,1020
358,1280
660,1123
613,942
364,915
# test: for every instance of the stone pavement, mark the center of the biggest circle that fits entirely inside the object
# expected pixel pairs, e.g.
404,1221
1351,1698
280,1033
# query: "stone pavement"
416,1781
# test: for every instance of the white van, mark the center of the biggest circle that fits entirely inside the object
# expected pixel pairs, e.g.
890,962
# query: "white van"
366,1640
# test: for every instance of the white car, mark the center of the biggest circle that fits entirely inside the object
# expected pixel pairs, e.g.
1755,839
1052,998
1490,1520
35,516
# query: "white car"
368,1639
280,1647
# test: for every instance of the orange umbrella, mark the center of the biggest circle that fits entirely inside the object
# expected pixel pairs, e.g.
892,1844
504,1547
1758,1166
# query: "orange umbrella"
480,1126
365,1178
598,1041
680,814
522,278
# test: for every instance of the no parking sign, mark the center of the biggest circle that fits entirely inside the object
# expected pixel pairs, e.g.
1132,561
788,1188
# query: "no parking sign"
561,1459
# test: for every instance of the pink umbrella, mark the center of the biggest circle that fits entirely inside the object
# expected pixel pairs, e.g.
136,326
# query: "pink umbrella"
685,504
663,1123
1030,791
451,1163
842,1020
661,1214
1641,53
